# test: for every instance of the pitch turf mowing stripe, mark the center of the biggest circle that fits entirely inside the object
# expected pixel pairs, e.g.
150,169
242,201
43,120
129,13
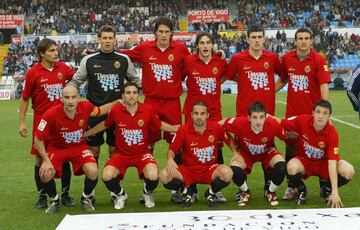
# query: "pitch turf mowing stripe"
332,118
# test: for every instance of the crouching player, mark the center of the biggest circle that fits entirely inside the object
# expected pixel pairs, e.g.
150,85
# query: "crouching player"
132,121
62,128
198,141
256,135
317,153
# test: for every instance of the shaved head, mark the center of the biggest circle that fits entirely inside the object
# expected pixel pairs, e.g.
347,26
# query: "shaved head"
70,89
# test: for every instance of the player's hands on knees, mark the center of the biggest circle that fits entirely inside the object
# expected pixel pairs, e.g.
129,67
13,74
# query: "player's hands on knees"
238,161
171,166
47,170
23,130
335,201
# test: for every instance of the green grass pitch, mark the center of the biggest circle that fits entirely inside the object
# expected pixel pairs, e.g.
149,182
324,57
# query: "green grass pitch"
18,192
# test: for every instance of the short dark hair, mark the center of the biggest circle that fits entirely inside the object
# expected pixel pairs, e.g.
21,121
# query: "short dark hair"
127,84
303,30
44,45
163,21
257,106
202,34
323,103
255,28
106,28
200,103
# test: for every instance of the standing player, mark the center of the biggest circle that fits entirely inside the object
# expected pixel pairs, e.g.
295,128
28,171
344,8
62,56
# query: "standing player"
256,135
63,127
198,140
44,83
105,72
161,61
254,70
133,125
204,73
317,153
353,89
308,76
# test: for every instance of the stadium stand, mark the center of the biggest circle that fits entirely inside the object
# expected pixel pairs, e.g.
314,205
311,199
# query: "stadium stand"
78,16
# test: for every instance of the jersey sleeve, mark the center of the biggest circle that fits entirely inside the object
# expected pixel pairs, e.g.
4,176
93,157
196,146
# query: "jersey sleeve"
177,141
134,53
184,69
155,122
231,70
45,127
230,124
69,73
291,123
278,67
28,85
110,118
322,70
283,70
131,74
91,109
278,129
333,148
81,74
353,88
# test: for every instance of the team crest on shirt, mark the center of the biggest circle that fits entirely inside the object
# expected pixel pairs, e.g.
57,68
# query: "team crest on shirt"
326,68
171,57
321,144
336,151
215,70
117,64
60,76
81,122
307,69
264,139
211,138
140,122
266,65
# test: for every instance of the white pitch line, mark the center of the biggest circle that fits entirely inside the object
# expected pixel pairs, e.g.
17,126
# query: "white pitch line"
332,118
345,123
30,114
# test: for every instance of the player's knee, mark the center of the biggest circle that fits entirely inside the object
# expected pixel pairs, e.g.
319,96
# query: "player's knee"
347,171
164,176
107,174
48,176
280,167
92,173
152,174
225,173
292,167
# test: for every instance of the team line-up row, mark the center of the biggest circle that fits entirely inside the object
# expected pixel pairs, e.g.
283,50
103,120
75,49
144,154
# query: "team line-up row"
165,63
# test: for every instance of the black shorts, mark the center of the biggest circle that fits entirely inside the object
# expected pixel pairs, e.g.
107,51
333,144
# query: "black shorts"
98,139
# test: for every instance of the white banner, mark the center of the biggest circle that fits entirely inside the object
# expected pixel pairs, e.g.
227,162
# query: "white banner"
5,94
346,218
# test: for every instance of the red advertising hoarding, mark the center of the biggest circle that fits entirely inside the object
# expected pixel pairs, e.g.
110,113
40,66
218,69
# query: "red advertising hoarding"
10,21
207,16
136,38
